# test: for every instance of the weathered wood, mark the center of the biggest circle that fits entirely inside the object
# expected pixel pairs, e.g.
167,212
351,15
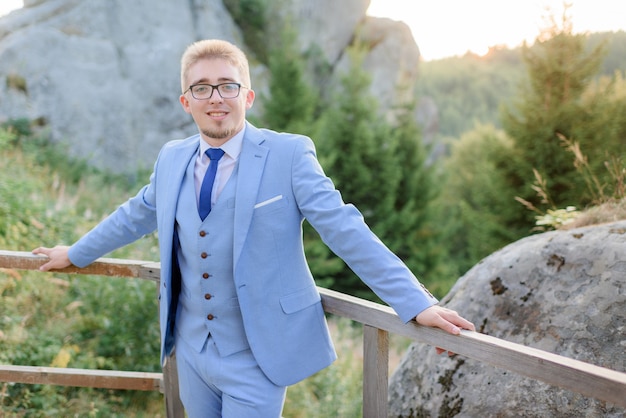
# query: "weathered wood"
106,379
577,376
375,372
113,267
173,405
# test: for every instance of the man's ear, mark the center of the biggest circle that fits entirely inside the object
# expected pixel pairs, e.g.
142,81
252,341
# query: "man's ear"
249,98
185,103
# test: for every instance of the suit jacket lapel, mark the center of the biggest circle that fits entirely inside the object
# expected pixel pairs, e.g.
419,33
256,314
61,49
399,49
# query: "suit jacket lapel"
251,164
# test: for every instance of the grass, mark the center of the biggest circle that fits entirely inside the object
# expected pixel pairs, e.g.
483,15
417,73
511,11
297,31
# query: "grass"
611,211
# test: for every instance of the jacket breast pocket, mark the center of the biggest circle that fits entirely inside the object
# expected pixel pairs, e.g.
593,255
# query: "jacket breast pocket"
270,205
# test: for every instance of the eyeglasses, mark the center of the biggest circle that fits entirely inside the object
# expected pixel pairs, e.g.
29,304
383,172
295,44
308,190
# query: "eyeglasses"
205,91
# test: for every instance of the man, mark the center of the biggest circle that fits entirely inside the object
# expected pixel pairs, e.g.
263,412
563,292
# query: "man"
237,298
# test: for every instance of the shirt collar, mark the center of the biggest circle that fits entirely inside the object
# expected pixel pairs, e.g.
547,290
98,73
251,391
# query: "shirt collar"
232,147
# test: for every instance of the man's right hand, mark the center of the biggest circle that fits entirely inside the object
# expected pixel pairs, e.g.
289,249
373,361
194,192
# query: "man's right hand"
57,255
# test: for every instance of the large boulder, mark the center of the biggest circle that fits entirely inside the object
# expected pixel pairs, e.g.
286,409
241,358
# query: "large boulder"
387,41
103,75
563,292
329,25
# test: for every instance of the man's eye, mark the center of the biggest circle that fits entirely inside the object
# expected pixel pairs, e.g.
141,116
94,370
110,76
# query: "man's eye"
201,89
229,87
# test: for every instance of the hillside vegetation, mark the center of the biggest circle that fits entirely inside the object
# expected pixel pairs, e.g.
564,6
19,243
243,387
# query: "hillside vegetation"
536,141
542,143
471,89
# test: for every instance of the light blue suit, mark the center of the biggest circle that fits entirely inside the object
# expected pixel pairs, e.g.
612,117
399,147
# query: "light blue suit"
280,183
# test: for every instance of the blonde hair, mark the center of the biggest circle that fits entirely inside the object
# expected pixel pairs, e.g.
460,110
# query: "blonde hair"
214,49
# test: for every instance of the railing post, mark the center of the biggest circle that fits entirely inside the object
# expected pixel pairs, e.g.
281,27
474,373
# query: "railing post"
375,372
173,405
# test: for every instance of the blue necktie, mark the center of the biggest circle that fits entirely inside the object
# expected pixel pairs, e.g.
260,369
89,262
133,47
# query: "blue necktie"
204,206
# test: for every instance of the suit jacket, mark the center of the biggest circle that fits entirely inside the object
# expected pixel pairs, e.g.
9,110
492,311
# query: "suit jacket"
280,184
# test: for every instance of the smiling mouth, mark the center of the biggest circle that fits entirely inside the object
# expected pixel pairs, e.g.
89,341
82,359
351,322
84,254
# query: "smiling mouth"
216,114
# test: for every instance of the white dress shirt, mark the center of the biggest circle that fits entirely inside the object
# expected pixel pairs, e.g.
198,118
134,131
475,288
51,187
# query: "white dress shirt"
232,149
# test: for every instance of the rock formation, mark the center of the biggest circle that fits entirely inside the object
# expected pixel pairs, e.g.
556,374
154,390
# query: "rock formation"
103,76
563,292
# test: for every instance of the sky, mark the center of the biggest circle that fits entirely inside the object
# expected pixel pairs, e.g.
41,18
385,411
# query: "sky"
7,5
443,28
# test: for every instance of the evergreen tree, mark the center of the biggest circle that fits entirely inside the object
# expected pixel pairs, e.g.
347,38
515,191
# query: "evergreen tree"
476,206
560,69
409,226
600,134
292,102
354,156
487,169
381,171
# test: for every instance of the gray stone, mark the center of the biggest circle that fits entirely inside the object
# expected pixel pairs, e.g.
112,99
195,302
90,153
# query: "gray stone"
563,292
103,75
327,24
390,41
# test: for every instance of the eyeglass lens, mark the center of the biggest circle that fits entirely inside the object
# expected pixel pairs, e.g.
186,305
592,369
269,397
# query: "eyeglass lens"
225,90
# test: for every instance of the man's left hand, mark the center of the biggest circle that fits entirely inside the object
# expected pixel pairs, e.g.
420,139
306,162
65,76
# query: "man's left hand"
444,318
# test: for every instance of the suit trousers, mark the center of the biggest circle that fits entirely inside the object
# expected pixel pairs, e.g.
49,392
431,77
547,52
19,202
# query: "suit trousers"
232,386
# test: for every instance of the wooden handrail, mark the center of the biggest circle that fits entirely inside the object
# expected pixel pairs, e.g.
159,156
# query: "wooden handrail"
378,320
584,378
104,379
112,267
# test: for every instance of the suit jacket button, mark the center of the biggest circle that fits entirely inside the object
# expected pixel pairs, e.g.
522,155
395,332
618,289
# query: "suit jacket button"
207,296
202,233
210,317
204,255
205,275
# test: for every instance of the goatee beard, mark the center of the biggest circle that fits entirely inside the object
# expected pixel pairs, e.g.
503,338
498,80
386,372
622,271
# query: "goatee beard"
218,134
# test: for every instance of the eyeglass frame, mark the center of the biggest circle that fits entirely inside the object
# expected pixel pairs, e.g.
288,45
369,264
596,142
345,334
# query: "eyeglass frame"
215,87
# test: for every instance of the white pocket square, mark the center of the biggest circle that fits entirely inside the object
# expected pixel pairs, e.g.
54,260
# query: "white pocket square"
268,201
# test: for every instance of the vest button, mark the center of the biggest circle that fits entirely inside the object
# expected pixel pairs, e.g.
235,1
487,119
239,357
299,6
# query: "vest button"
210,317
205,275
204,255
207,296
202,233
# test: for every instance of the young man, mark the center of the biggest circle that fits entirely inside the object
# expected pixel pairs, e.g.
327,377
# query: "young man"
237,298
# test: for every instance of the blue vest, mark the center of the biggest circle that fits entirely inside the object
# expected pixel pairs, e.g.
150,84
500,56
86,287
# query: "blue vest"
208,302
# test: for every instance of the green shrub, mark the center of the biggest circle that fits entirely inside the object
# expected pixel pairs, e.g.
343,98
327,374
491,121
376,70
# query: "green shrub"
52,319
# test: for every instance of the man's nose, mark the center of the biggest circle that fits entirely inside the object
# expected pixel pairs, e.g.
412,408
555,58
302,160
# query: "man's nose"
215,96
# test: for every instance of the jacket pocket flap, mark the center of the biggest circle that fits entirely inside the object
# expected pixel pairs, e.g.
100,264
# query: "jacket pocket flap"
299,300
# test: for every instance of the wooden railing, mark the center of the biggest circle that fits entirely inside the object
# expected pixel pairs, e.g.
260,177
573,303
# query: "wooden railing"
378,321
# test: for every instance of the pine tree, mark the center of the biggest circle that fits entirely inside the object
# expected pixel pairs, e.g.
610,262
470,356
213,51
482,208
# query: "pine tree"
292,102
487,169
380,169
354,156
560,70
477,209
409,227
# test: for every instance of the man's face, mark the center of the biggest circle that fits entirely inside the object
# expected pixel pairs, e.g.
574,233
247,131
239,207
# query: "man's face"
217,119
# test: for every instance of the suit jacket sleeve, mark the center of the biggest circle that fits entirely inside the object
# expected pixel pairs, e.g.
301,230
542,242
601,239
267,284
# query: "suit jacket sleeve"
129,222
342,227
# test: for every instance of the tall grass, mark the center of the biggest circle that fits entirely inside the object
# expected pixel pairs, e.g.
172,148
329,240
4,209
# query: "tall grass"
337,391
61,320
609,198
